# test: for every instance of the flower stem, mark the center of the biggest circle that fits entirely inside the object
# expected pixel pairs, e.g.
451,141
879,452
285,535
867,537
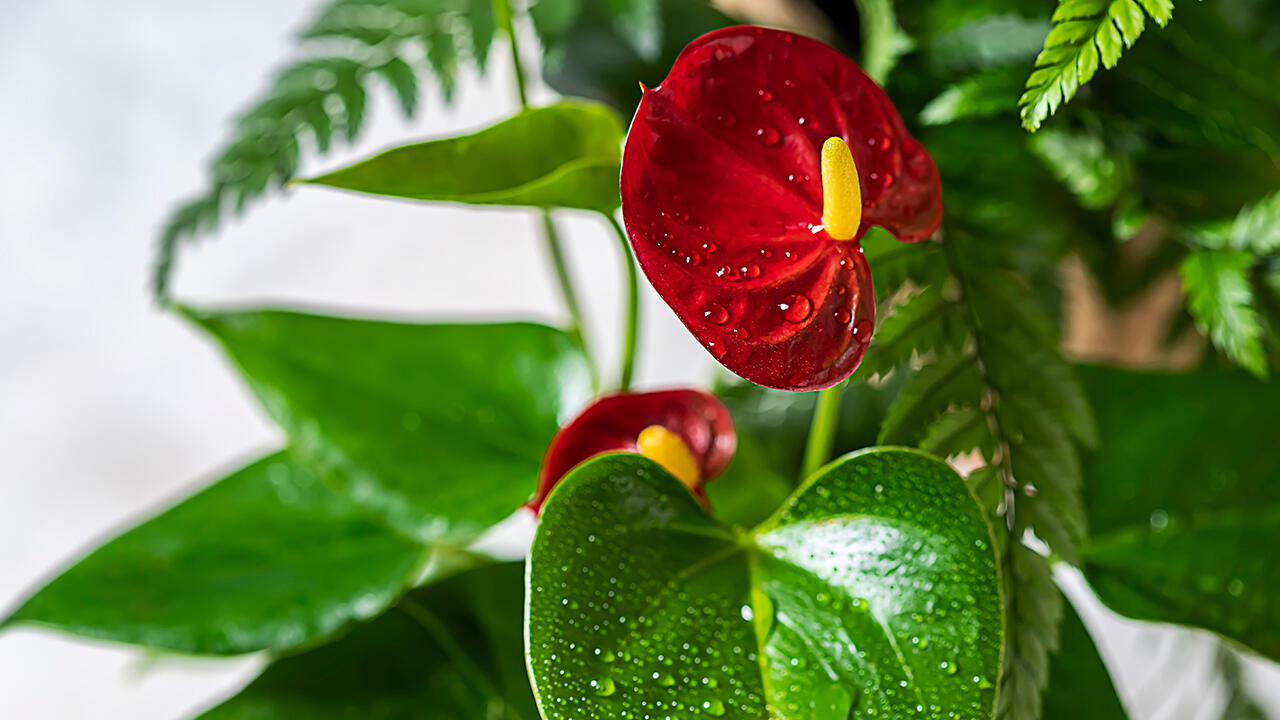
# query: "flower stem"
629,339
506,20
576,328
822,433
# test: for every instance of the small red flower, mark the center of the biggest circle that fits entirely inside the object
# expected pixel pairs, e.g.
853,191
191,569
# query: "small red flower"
689,432
746,215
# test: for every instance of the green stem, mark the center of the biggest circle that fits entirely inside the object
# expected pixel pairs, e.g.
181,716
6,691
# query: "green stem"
822,433
576,329
629,339
505,16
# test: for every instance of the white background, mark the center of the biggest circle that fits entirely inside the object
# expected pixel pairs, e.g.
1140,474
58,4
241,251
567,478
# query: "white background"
110,408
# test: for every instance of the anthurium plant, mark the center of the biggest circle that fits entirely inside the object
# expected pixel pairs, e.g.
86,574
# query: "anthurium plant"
887,227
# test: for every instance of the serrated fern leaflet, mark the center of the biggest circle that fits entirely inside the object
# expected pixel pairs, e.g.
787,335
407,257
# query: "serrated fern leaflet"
1085,33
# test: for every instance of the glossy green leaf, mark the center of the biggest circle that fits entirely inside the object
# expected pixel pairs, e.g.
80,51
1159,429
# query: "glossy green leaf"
773,427
267,558
564,155
1183,496
1080,685
439,428
873,592
448,650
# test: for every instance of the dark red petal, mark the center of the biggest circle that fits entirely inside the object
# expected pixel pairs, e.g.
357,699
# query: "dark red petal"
721,191
613,422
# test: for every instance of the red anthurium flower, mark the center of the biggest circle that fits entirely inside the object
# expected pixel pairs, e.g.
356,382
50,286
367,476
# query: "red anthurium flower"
748,179
688,432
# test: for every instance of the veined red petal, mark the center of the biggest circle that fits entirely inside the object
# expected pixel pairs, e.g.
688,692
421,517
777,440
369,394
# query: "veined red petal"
722,198
614,422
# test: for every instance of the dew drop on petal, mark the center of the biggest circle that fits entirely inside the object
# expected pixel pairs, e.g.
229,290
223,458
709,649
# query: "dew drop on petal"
765,95
863,330
767,135
843,316
796,308
716,313
726,119
752,271
709,247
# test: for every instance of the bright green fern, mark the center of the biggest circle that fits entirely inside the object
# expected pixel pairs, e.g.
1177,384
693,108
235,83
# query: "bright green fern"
1085,33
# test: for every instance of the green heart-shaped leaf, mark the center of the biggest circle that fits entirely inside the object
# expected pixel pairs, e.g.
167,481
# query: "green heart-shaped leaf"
267,558
448,650
439,428
564,155
1183,497
873,592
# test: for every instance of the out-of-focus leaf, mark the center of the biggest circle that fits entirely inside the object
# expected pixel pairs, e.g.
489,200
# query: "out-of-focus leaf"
1080,685
448,650
594,56
1082,163
564,155
992,41
439,428
1221,299
982,95
878,551
883,40
1183,496
268,558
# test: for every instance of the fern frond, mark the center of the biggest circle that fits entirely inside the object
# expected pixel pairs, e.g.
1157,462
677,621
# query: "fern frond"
1034,611
923,322
320,96
1085,33
1221,300
1005,390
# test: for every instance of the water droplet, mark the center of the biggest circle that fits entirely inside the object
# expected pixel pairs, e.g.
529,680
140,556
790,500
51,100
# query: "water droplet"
886,179
948,667
713,707
716,313
741,333
747,613
693,258
863,330
752,271
664,679
716,349
726,119
796,308
709,247
802,120
765,95
767,135
604,687
843,316
1159,519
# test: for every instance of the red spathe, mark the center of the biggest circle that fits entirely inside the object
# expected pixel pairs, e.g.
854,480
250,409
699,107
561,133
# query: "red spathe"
722,198
613,423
